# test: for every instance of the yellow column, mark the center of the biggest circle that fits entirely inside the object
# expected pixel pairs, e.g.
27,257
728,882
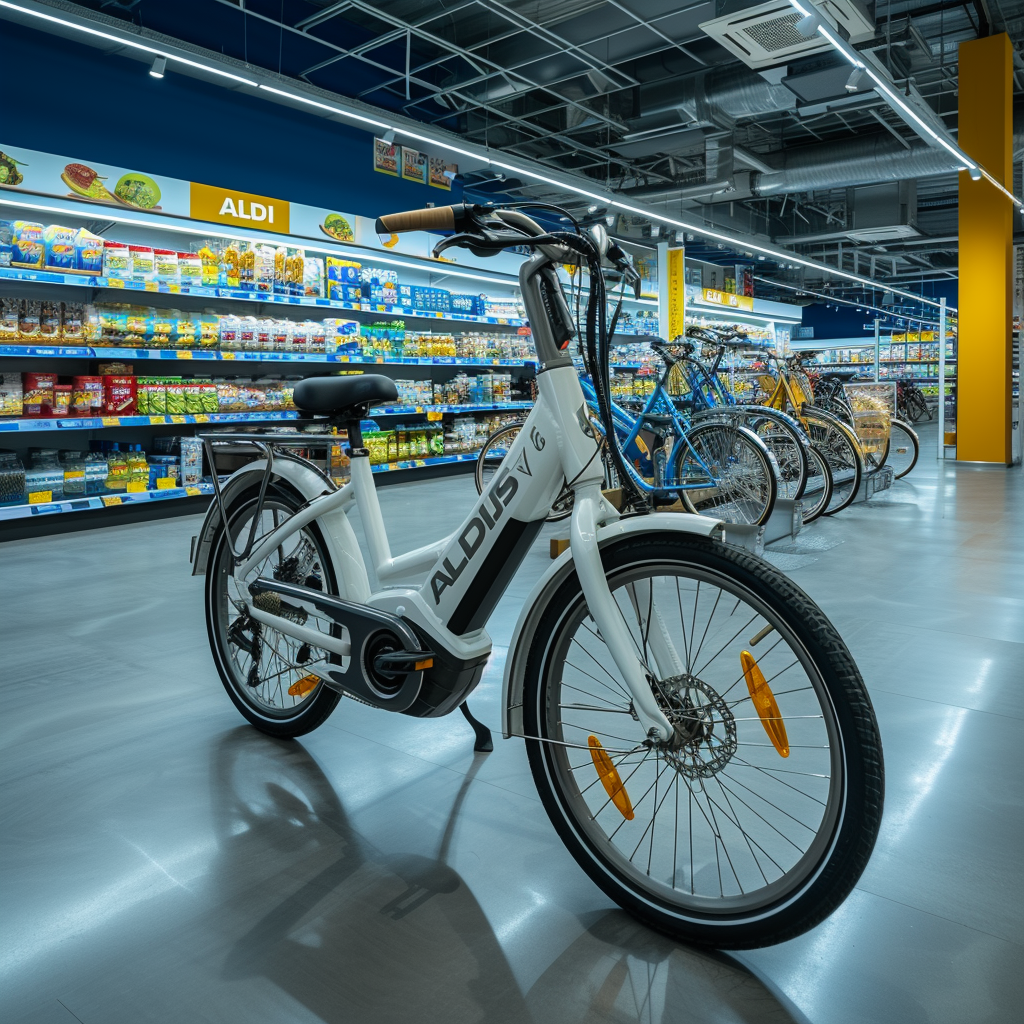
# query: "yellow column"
986,253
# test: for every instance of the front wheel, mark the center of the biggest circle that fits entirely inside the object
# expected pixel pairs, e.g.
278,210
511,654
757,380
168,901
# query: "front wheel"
754,822
903,448
726,472
839,447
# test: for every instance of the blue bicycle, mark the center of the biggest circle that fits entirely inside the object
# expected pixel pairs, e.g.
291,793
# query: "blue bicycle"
715,468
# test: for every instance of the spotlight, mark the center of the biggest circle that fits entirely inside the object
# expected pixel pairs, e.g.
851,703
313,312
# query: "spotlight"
807,26
854,80
760,257
159,67
388,137
975,173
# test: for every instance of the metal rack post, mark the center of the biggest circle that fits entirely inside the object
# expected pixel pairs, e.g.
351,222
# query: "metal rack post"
941,447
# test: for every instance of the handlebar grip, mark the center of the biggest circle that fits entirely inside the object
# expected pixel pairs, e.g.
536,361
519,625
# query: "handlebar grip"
434,218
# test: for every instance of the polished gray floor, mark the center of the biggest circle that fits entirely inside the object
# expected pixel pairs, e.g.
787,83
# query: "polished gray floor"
164,862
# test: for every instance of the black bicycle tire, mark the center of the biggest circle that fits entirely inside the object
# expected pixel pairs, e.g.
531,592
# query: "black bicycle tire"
811,412
818,510
915,440
865,786
327,699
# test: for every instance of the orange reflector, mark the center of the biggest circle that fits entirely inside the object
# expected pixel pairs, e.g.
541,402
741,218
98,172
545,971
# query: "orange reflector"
609,776
425,663
302,686
764,701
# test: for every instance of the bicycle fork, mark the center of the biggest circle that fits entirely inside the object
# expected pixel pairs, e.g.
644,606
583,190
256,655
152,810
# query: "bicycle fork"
608,616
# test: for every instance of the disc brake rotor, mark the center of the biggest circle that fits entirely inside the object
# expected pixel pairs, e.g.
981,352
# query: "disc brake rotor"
704,739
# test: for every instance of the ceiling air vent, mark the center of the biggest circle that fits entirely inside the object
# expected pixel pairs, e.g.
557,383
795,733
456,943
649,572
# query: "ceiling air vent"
766,35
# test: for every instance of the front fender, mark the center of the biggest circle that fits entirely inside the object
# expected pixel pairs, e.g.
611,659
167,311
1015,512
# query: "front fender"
537,603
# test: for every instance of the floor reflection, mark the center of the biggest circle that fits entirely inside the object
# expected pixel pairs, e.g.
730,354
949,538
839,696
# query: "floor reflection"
352,934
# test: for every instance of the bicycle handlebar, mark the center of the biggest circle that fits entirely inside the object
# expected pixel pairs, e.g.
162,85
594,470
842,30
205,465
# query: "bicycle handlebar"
433,218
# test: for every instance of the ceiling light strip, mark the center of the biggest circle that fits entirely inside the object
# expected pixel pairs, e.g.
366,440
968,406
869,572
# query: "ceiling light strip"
123,41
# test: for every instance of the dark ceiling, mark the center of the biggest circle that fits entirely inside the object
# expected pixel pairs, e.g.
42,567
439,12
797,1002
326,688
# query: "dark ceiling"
636,95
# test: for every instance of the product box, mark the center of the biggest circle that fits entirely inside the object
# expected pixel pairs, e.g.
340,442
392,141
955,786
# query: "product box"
86,396
118,395
88,253
38,392
60,404
6,243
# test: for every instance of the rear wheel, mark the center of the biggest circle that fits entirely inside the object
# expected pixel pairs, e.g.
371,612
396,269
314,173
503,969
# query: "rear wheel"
903,449
269,676
839,447
730,472
817,494
754,822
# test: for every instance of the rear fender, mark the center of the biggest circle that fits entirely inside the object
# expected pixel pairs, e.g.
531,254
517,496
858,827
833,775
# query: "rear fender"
537,603
308,482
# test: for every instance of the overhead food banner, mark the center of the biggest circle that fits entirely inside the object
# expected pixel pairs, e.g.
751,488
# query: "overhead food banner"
61,177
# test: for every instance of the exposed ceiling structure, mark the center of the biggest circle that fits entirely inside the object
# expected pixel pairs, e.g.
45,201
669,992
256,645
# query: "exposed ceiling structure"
721,109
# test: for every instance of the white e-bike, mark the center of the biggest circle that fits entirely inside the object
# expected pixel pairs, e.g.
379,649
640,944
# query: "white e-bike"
697,729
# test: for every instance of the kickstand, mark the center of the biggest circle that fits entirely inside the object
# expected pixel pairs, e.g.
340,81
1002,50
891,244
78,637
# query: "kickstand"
483,742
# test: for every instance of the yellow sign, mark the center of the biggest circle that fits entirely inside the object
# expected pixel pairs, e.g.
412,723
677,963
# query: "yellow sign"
676,326
718,298
136,487
40,497
114,499
241,209
165,483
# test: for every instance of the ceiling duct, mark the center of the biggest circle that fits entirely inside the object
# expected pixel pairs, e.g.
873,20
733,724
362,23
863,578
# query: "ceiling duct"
860,161
767,35
719,96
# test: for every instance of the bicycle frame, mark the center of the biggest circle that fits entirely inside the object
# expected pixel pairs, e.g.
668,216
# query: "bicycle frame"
468,570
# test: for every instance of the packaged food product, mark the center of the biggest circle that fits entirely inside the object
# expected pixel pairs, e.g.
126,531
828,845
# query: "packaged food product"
263,267
6,243
38,392
316,337
247,333
280,270
186,330
116,368
28,248
29,316
138,324
208,402
118,395
229,275
117,260
49,320
72,321
45,482
281,340
313,276
162,327
10,310
117,468
11,395
143,263
300,336
74,473
190,269
95,473
193,397
163,467
191,461
209,330
265,335
12,479
60,403
295,268
166,263
175,389
229,327
88,253
210,261
156,395
60,248
228,396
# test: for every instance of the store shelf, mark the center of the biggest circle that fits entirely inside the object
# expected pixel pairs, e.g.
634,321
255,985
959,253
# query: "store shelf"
434,460
34,425
95,502
84,504
232,356
239,295
100,422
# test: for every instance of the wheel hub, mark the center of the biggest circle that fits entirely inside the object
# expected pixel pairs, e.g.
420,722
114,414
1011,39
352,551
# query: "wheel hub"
704,728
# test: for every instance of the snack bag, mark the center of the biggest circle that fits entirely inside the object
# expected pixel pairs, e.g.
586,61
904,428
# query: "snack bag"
29,316
193,398
49,320
60,248
88,253
72,321
11,395
10,312
117,261
143,263
210,262
166,265
28,246
118,395
175,397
